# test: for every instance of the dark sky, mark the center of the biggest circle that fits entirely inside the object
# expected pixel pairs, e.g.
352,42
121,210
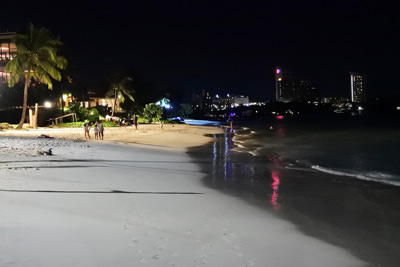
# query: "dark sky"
224,46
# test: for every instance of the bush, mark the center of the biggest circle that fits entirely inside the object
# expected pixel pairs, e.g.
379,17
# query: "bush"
173,122
81,112
79,124
110,124
152,112
93,115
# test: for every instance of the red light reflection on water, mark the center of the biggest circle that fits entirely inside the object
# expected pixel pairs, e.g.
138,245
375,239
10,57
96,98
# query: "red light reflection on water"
275,187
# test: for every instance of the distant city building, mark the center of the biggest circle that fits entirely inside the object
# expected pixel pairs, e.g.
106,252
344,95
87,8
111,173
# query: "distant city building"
7,52
203,101
220,102
281,76
358,88
335,100
289,89
240,100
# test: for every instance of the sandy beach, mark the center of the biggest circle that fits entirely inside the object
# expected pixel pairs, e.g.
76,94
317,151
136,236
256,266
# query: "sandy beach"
135,199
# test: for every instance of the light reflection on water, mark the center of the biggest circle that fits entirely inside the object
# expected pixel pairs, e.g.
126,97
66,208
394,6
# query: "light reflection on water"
242,172
275,187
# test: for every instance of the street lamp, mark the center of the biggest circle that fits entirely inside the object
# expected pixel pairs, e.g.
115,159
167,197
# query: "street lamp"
47,104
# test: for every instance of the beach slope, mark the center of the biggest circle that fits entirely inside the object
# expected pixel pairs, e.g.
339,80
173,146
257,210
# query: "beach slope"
102,204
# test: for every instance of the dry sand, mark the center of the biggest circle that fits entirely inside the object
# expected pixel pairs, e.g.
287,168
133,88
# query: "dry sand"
101,204
178,136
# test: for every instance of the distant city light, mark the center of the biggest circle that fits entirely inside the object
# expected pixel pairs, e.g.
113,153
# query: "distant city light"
47,104
278,71
279,117
279,79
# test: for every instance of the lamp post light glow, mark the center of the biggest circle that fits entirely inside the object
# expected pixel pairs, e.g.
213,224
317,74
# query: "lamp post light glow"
47,104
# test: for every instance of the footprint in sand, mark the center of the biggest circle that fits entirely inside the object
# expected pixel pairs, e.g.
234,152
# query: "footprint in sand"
172,263
250,262
134,242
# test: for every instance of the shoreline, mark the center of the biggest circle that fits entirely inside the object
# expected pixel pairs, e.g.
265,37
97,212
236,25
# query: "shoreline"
359,216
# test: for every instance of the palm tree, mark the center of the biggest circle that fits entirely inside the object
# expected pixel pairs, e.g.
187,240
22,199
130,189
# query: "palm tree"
36,59
121,87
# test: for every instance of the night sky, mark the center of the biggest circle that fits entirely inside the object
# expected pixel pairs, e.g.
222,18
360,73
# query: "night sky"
224,46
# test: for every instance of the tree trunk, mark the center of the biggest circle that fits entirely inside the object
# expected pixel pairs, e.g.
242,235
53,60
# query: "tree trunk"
36,116
24,104
115,101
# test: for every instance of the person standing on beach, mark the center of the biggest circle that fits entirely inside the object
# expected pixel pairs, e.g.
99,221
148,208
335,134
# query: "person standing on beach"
135,121
101,130
96,131
230,120
86,127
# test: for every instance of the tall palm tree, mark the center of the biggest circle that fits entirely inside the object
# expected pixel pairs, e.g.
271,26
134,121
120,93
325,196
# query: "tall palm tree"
36,59
121,87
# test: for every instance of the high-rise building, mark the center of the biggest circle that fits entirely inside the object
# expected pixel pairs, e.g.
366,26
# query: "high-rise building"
358,88
289,89
281,76
7,52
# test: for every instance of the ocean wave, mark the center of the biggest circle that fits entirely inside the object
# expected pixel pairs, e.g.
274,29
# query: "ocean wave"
255,152
379,177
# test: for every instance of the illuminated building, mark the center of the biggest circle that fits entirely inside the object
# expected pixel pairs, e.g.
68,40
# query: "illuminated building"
281,76
289,89
240,100
335,100
358,88
7,52
202,102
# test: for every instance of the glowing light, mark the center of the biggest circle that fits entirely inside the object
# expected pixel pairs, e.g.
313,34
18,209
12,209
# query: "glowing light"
47,104
279,79
279,117
278,71
275,187
65,97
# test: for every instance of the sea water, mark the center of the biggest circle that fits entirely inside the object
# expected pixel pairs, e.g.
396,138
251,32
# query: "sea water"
355,147
335,178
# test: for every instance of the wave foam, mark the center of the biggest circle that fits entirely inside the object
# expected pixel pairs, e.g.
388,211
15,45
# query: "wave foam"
379,177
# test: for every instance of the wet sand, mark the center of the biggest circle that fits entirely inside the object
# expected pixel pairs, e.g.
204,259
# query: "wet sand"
360,216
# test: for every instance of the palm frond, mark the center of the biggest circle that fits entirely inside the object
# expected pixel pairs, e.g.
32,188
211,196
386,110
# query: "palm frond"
43,77
49,69
61,62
